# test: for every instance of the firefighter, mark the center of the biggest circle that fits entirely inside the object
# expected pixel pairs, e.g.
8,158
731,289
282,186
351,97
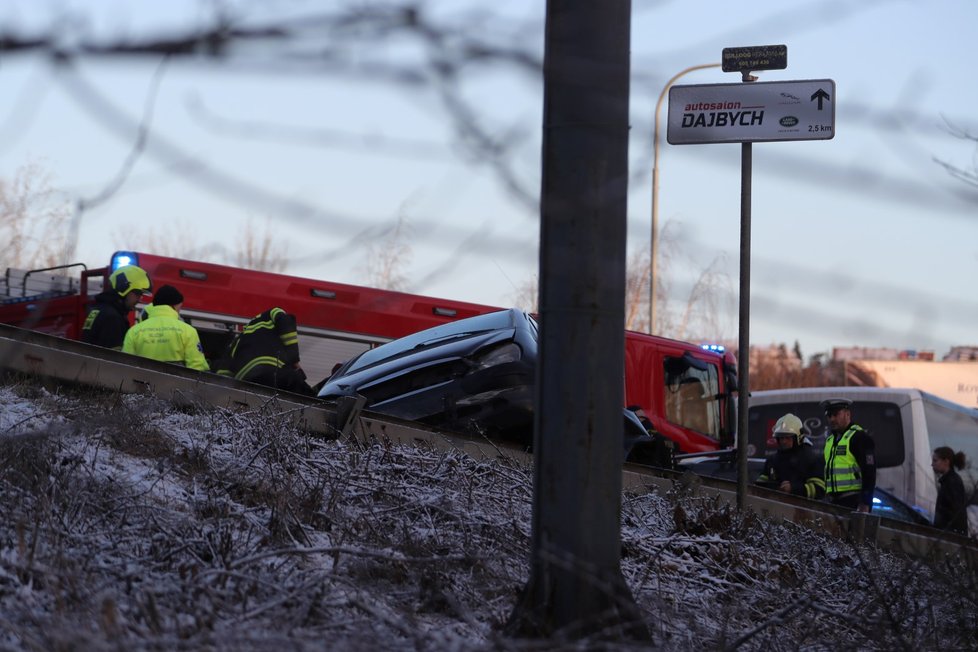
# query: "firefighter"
796,468
850,458
163,336
267,352
108,320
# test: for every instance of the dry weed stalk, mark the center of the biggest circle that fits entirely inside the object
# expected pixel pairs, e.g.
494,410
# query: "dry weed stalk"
129,524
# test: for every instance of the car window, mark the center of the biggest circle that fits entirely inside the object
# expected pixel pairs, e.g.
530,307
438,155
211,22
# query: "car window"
438,334
881,418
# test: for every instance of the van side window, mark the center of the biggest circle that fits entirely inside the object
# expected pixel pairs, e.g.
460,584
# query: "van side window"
950,424
692,397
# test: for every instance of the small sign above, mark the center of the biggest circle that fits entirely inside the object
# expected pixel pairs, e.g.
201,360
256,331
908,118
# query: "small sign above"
757,57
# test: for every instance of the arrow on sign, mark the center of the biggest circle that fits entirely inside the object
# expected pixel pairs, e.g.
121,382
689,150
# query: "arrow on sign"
821,96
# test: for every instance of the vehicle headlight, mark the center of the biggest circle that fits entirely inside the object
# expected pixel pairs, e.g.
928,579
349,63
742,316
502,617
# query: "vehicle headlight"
506,353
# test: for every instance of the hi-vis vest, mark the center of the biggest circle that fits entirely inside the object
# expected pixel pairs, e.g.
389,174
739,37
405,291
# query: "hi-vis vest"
842,473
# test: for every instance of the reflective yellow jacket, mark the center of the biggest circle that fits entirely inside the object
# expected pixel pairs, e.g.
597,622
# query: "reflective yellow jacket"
842,474
163,336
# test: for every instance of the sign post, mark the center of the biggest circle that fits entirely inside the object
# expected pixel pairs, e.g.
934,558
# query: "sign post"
748,113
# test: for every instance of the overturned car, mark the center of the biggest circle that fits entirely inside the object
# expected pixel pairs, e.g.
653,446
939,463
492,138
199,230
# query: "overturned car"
472,375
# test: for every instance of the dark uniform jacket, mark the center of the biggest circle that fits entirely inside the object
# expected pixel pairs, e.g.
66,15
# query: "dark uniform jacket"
951,510
267,352
107,321
802,466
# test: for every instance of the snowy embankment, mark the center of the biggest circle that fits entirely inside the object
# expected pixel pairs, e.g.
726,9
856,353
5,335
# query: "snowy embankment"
128,524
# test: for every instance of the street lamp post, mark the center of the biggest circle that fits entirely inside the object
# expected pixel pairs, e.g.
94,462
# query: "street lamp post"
655,187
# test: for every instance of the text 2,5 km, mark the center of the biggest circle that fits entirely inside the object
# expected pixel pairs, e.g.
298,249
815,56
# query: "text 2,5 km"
816,128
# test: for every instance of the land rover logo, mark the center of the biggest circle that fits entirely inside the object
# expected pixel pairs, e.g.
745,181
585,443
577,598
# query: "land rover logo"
788,121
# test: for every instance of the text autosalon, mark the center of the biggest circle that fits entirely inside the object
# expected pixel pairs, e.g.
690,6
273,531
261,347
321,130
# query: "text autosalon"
721,114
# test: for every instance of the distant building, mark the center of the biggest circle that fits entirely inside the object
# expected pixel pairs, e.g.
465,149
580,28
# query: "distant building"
910,354
954,378
851,353
962,354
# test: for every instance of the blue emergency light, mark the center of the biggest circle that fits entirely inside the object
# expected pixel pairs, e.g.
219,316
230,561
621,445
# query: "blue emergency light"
123,258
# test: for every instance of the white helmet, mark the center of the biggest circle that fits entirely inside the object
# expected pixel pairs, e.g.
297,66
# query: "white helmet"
789,426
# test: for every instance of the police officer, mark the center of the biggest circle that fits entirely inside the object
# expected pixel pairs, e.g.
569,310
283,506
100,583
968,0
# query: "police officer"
108,320
163,336
267,352
850,458
796,468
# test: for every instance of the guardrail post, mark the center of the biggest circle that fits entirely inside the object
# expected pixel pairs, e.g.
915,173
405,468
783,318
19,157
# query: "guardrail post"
864,528
348,409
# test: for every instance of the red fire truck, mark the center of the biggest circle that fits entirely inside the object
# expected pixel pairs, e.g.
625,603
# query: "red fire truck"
685,389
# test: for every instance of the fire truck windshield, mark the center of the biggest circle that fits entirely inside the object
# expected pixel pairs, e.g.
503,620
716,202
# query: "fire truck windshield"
692,397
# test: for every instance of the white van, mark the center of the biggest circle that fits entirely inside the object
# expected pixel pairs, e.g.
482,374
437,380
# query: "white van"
906,424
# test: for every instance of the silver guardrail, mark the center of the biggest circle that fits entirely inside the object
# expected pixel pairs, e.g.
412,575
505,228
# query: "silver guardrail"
40,355
45,356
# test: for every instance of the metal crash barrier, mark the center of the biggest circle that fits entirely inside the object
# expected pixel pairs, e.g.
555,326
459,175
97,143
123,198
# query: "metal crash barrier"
47,357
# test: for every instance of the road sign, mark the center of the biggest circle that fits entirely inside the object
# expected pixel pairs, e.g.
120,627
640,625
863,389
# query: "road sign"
751,112
757,57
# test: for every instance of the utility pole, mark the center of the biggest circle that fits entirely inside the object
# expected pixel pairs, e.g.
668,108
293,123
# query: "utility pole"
576,587
654,239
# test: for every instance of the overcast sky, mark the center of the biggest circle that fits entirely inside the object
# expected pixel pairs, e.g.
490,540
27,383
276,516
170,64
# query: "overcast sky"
859,240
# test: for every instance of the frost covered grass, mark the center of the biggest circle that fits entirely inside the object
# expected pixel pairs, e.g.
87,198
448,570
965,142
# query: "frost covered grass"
131,524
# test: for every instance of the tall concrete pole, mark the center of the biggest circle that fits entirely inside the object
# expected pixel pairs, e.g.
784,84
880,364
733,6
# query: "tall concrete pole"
575,585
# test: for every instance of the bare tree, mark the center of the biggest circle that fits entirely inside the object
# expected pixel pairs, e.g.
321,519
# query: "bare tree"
388,258
259,250
32,221
527,296
968,176
637,290
437,52
172,239
706,304
781,372
253,249
703,311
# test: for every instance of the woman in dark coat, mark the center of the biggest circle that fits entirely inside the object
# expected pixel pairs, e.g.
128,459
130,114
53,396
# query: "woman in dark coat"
951,510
